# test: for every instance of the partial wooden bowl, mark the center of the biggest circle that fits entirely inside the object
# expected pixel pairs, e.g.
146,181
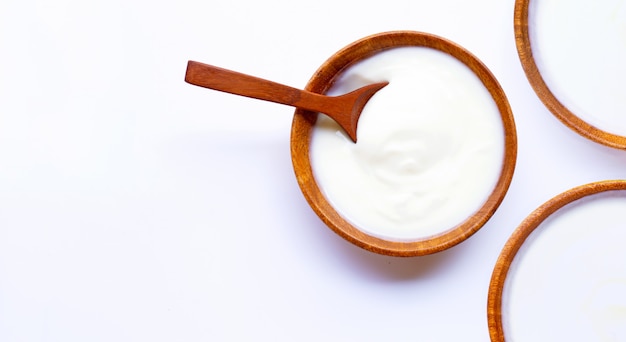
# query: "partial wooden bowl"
517,239
560,111
304,121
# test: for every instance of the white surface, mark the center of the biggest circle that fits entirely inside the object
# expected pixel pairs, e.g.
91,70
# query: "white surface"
136,207
579,48
572,269
430,146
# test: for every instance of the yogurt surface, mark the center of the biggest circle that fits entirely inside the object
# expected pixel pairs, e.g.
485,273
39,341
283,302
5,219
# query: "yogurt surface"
430,146
568,281
580,48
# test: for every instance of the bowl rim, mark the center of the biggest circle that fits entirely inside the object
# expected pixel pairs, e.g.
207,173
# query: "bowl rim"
303,122
519,236
540,87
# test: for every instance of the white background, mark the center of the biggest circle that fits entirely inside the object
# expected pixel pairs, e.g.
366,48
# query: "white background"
136,207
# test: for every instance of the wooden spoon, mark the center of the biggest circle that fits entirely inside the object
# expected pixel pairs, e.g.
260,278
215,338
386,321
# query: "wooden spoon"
345,109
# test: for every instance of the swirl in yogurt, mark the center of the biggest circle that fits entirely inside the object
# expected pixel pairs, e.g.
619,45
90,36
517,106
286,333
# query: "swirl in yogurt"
430,146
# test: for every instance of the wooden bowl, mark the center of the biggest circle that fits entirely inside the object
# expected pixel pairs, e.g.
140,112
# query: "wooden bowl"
539,85
520,237
304,121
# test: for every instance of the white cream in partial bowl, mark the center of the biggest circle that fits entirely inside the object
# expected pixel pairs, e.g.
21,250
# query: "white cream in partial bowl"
580,50
568,280
430,146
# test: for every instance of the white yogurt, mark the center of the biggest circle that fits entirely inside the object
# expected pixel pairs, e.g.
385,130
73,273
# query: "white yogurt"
568,281
580,50
430,146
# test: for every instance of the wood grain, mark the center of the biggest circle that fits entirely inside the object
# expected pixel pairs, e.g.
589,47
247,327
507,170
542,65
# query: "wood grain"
567,117
304,121
517,239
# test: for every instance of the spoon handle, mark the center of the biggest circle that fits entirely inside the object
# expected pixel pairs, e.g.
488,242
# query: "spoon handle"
216,78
